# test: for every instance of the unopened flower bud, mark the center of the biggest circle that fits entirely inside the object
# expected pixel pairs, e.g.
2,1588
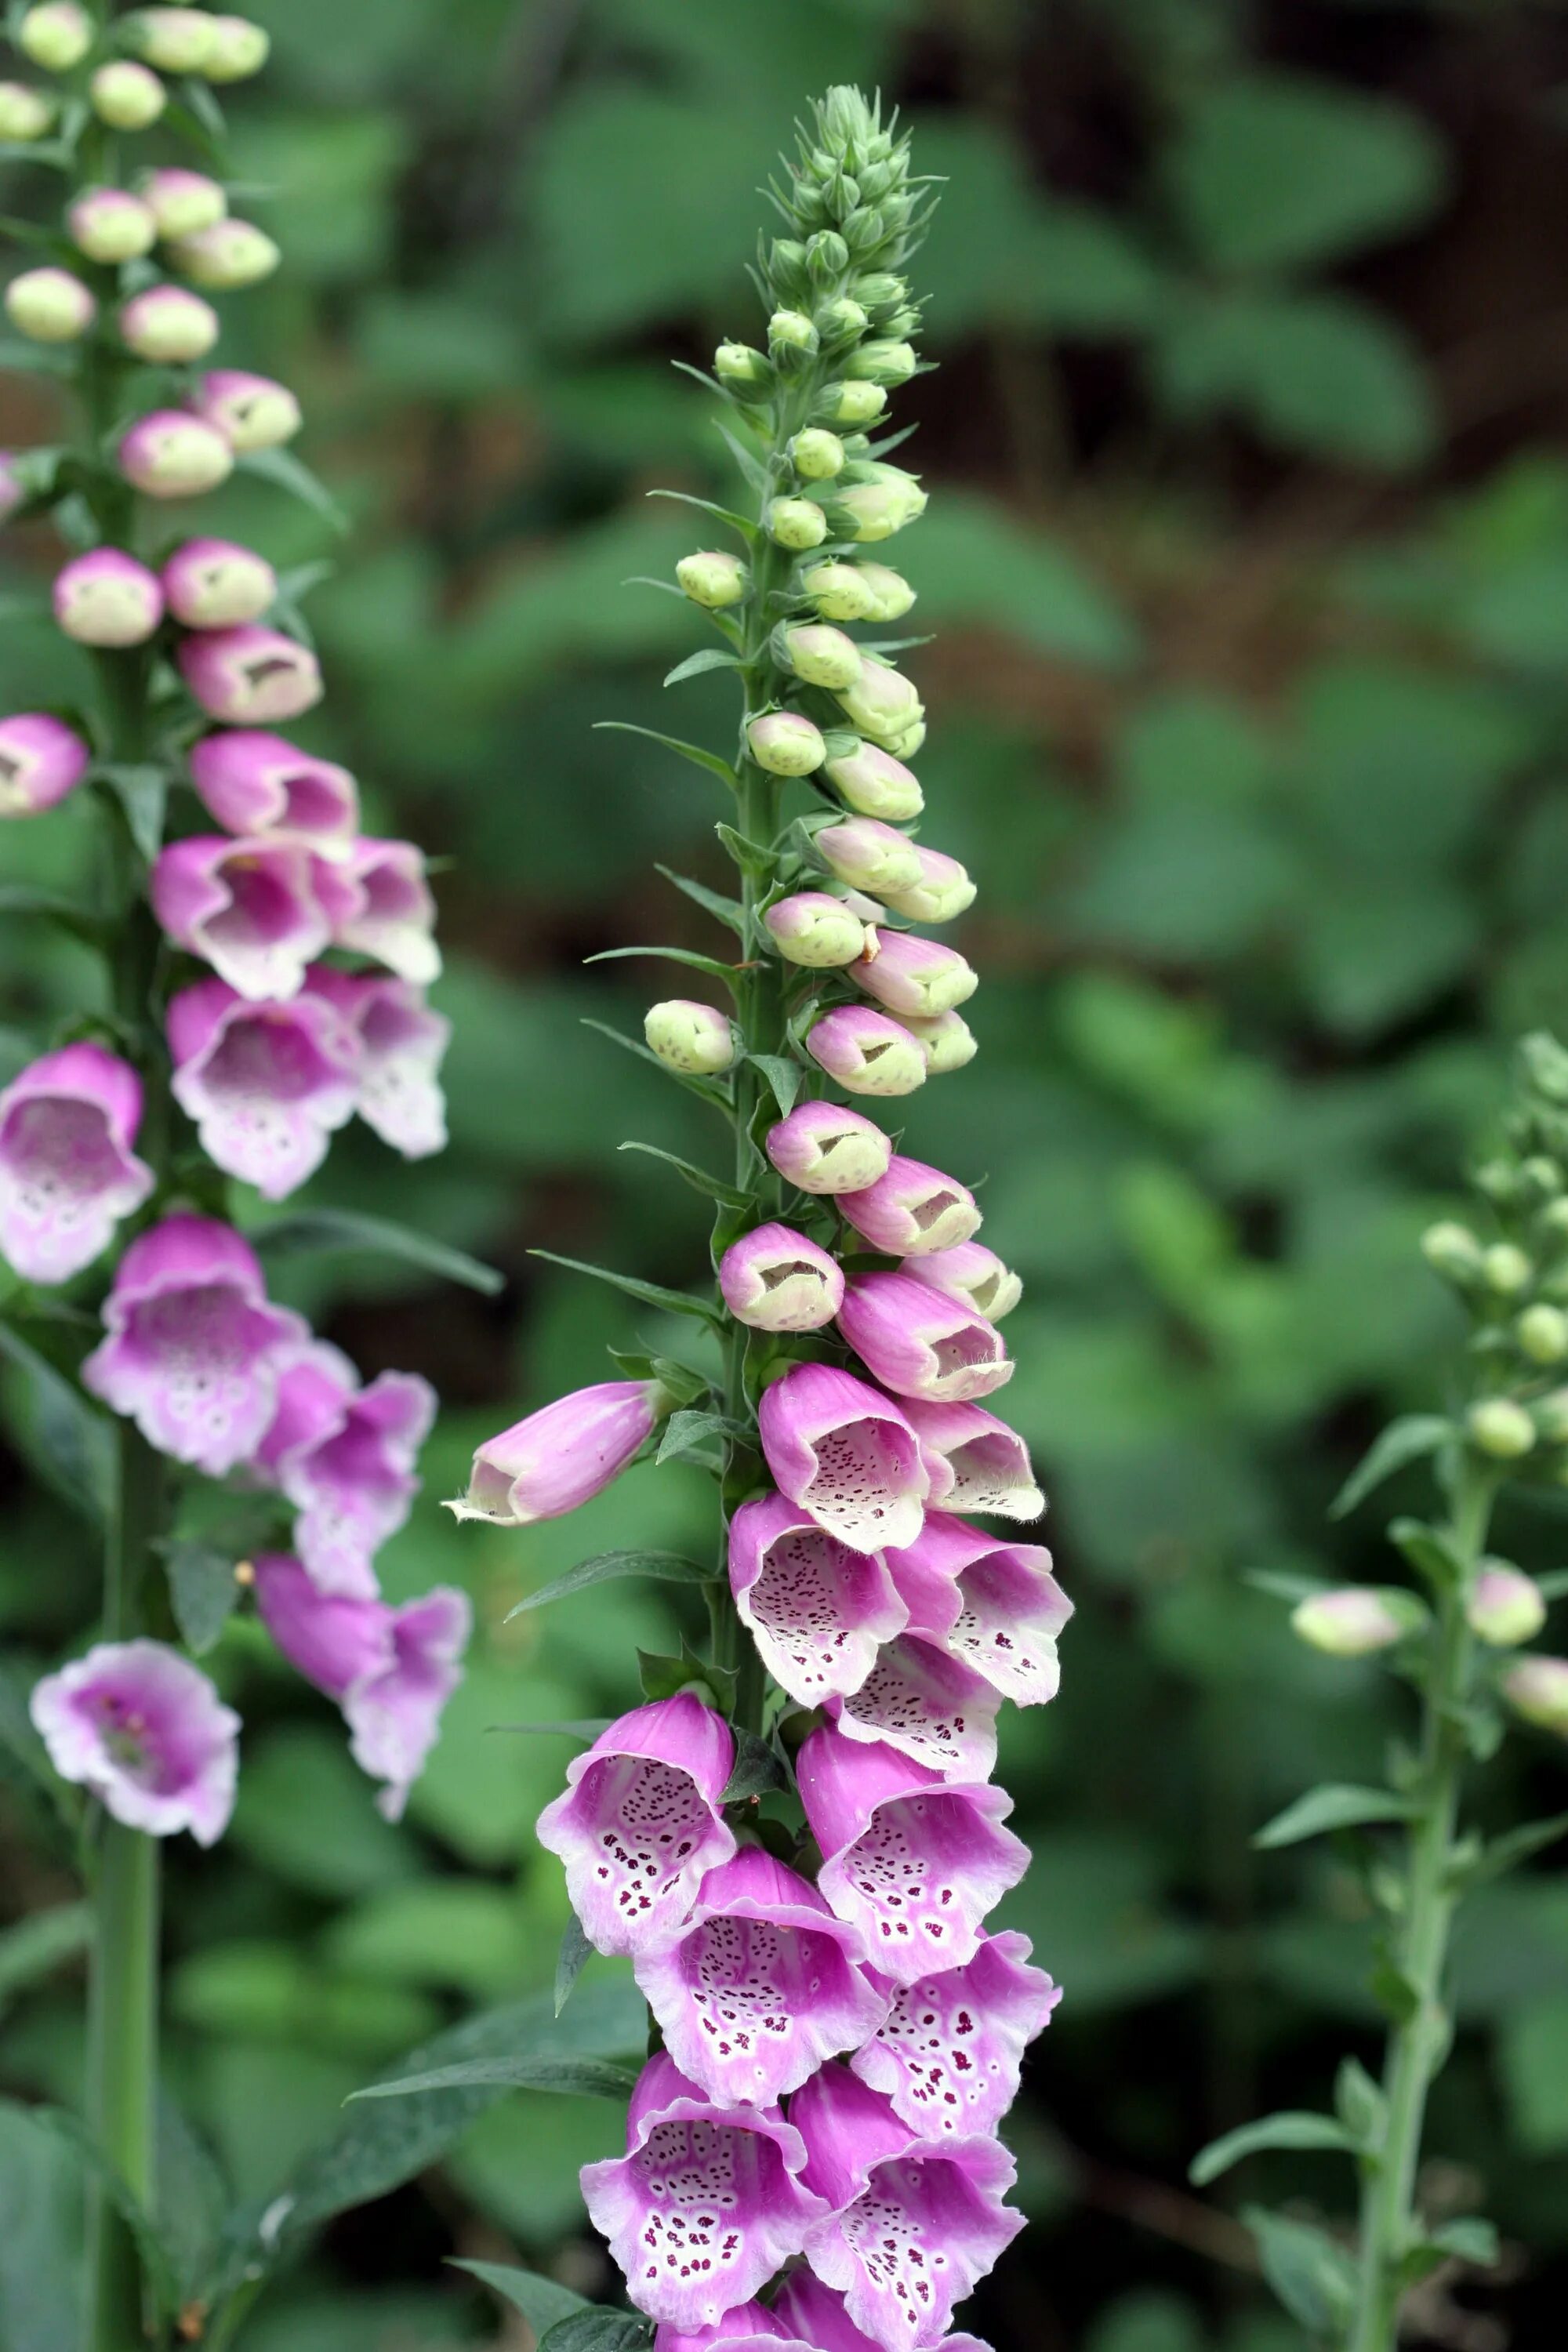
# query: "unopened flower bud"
776,1280
943,890
211,584
823,1146
107,598
239,49
791,331
881,701
109,225
820,654
713,579
1542,1333
249,677
838,591
811,928
168,454
970,1272
1545,1066
127,96
1506,1270
904,746
742,368
868,855
866,1052
785,743
912,1210
875,510
840,321
1352,1622
182,202
176,40
689,1037
56,35
41,760
947,1041
889,363
1551,1417
826,256
1542,1175
1501,1428
879,289
230,254
873,784
855,403
1504,1606
816,455
168,326
796,522
894,596
913,975
25,114
1452,1250
251,411
1537,1690
787,263
49,306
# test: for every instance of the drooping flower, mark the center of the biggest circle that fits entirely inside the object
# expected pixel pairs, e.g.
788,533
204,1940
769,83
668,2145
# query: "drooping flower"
914,1862
248,675
846,1454
638,1824
785,743
949,2052
997,1606
912,1210
181,201
194,1351
946,1040
921,1343
972,1273
818,1608
260,911
1353,1622
974,1461
41,760
1536,1687
924,1701
254,782
869,855
915,2222
813,928
143,1729
49,305
807,2311
267,1084
345,1454
943,890
402,1043
389,913
110,225
761,1984
866,1052
391,1670
564,1454
67,1170
875,784
1504,1606
705,2204
774,1279
824,1146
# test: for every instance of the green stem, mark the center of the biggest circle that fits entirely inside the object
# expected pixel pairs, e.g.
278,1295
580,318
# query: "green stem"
1417,2045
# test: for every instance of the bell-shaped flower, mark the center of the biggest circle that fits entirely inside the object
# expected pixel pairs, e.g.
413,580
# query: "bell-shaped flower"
846,1454
949,2052
914,976
997,1606
866,1052
824,1146
972,1273
761,1986
921,1343
924,1701
194,1351
67,1171
974,1461
774,1279
881,701
914,1862
248,675
260,911
344,1458
402,1045
391,1670
915,2222
267,1084
807,2311
41,760
255,783
144,1730
564,1455
818,1609
390,913
912,1210
639,1824
705,2204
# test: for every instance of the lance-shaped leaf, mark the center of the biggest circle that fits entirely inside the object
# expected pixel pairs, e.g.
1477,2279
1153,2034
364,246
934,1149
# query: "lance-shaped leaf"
713,1187
665,1567
202,1589
285,470
710,760
709,1088
742,523
1311,2273
1335,1806
570,1961
72,1442
1285,2130
784,1078
347,1229
598,2330
1402,1441
723,910
542,2301
693,959
698,664
587,2078
21,898
690,1432
652,1293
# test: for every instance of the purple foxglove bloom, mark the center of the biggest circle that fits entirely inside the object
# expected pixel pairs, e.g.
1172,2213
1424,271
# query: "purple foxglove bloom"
258,910
775,1280
391,914
943,890
846,1454
564,1455
951,2049
400,1046
344,1456
705,2204
254,782
813,928
68,1172
211,584
970,1272
248,675
266,1083
762,1985
168,326
915,976
997,1606
915,2222
168,454
976,1462
251,411
391,1670
805,2308
824,1146
817,1609
107,598
748,2328
143,1729
913,1861
866,1052
194,1351
869,855
925,1702
638,1824
913,1209
41,760
919,1342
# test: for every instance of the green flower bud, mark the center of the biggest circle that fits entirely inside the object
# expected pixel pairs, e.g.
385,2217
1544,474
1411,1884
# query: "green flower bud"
821,655
1504,1606
1352,1622
176,40
1506,1269
739,365
1541,1176
880,702
841,322
827,256
799,523
879,289
230,254
864,230
1554,1218
878,502
785,743
905,746
56,35
887,363
854,403
127,96
894,596
1551,1417
873,784
839,593
1542,1333
1537,1690
713,579
786,263
25,114
49,306
903,324
791,331
1452,1250
1501,1428
815,453
239,49
689,1037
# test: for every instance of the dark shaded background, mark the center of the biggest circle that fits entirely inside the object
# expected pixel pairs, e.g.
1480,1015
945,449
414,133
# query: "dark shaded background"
1248,546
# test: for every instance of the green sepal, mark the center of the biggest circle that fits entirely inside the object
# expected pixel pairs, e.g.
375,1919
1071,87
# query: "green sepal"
663,1676
687,1432
758,1769
784,1077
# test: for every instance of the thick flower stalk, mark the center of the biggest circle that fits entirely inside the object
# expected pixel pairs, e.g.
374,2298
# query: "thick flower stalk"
265,966
1456,1633
837,2030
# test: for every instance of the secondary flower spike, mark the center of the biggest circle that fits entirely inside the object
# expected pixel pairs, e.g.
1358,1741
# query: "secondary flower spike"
846,1454
818,1609
551,1461
144,1730
69,1171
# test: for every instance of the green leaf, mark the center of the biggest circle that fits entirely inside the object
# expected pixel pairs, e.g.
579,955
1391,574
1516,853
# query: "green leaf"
347,1229
1314,2276
747,856
1470,2239
757,1769
742,523
75,1441
1428,1549
1504,1853
40,1943
142,791
1283,1585
1405,1441
1334,1806
698,664
598,2331
586,2078
713,1187
723,910
23,1745
710,760
784,1078
690,1430
1394,1992
542,2301
21,898
689,957
1322,374
662,1675
709,1091
285,470
583,1728
193,2200
202,1589
157,2266
40,2245
666,1567
570,1961
652,1293
1360,2104
1289,2129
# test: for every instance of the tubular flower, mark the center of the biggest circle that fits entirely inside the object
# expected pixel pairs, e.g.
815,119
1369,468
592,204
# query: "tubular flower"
344,1458
144,1730
267,1084
874,784
846,1454
921,1343
402,1043
946,1040
552,1461
866,1052
806,2309
776,1280
249,676
389,912
41,760
975,1462
912,1211
258,910
915,976
869,855
924,1701
949,2053
67,1170
997,1606
813,929
943,890
748,2328
251,411
211,584
253,784
818,1609
689,1037
970,1272
824,1148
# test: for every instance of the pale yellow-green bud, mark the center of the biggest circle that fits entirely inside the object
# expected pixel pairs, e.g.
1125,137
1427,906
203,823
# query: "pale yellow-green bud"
230,254
882,362
1541,1175
127,96
838,322
1555,1219
882,703
785,743
1506,1269
176,40
906,745
791,331
1542,1333
49,306
25,114
1501,1428
57,35
713,579
821,655
876,784
945,1039
839,593
1452,1250
239,49
1551,1417
742,367
1504,1606
1537,1690
813,928
857,404
798,523
875,510
689,1037
1352,1622
894,596
816,455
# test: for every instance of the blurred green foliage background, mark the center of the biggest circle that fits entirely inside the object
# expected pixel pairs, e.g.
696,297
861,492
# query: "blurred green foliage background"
1248,550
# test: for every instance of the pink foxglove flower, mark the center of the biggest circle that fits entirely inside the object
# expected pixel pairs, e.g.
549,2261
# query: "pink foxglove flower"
41,760
551,1461
910,975
254,782
638,1824
761,1984
106,598
951,2049
875,784
391,1670
193,1352
925,1702
995,1605
866,1052
67,1171
972,1273
402,1043
807,2311
705,2204
824,1146
750,2327
914,1862
818,1608
251,411
259,911
248,675
344,1458
913,1209
775,1280
211,584
267,1084
143,1729
974,1461
915,2222
846,1454
919,1342
389,912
